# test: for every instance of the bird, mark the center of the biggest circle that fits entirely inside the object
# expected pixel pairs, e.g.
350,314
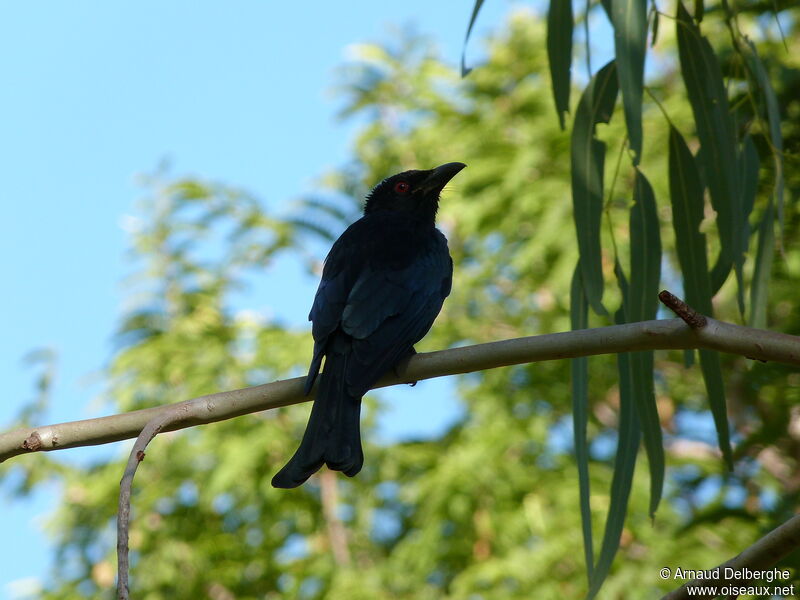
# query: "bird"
383,284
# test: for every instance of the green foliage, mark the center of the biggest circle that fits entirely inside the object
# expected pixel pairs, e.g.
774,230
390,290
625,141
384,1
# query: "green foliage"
560,23
728,164
491,508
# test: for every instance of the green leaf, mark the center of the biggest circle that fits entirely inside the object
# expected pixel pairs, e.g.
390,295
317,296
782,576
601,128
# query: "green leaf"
642,305
719,273
560,23
588,159
622,281
645,252
475,10
699,10
624,466
774,118
579,372
759,287
686,196
709,101
747,167
656,21
715,388
629,18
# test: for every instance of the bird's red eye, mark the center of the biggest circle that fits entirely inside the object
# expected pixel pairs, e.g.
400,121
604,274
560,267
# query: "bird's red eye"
401,187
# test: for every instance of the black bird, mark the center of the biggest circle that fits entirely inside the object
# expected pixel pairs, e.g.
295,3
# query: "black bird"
384,281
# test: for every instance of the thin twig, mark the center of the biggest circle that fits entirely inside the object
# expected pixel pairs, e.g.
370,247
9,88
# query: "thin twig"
690,316
667,334
172,414
760,556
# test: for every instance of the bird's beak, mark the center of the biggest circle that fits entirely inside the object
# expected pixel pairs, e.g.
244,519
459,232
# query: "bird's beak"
439,177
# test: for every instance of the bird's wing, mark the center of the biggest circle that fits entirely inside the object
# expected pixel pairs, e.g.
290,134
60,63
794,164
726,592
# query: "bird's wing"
386,306
389,310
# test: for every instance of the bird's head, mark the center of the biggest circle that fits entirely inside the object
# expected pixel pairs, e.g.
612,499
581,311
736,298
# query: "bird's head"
412,191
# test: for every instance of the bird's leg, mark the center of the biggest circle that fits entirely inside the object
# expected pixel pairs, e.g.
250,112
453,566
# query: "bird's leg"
401,364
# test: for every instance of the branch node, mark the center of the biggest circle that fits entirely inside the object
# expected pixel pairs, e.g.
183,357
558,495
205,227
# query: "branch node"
33,442
690,316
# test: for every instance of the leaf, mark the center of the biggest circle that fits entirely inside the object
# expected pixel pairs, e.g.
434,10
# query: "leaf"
656,21
645,252
642,305
715,388
629,18
709,101
588,159
475,10
579,373
759,287
686,196
624,466
699,10
747,167
560,23
774,118
719,273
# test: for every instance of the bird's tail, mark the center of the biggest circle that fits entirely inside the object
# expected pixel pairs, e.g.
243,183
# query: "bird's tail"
333,433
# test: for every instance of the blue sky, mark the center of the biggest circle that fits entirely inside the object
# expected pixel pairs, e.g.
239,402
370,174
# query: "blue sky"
94,94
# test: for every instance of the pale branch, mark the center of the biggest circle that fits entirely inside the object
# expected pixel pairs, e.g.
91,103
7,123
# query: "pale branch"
151,429
667,334
762,555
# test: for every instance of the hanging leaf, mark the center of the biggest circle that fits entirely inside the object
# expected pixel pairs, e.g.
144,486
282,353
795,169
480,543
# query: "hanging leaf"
774,119
624,464
656,20
686,196
715,388
642,306
588,160
622,479
579,372
747,167
560,23
629,18
763,269
707,96
475,10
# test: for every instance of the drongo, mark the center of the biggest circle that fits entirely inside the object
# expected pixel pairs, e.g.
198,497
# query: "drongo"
384,281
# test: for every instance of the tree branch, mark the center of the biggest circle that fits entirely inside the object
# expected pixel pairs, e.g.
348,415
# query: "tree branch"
763,554
646,335
153,428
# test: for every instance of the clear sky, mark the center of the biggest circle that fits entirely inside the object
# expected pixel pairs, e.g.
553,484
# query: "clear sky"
93,94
